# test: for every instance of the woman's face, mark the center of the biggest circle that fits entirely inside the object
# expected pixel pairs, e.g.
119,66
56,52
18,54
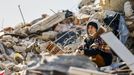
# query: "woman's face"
91,30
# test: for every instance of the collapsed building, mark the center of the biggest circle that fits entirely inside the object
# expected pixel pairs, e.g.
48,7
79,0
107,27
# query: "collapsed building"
48,45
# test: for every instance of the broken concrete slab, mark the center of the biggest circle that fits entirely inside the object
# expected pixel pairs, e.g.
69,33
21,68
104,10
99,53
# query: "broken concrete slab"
46,36
119,49
60,65
47,22
81,71
21,31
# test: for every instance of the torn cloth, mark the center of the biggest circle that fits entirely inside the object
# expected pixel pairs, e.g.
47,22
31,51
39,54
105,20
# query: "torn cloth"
123,30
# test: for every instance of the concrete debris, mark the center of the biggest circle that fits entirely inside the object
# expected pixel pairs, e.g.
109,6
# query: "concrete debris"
8,30
117,5
47,22
7,38
128,9
8,44
2,49
49,45
85,3
43,47
43,16
60,65
19,48
46,36
22,30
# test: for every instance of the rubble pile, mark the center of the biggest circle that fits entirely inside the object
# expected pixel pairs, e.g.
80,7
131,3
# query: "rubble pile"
27,46
48,45
130,43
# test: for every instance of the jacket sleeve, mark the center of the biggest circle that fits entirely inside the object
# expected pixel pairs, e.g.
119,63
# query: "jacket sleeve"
91,52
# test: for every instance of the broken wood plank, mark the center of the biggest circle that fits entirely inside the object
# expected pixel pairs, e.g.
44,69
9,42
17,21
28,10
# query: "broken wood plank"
119,49
81,71
47,22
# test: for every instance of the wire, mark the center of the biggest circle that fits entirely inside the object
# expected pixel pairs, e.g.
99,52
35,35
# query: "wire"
65,34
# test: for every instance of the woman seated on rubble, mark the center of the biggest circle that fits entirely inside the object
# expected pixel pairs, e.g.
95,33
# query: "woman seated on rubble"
95,47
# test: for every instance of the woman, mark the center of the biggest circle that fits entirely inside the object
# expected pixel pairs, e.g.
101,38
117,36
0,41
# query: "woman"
95,47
